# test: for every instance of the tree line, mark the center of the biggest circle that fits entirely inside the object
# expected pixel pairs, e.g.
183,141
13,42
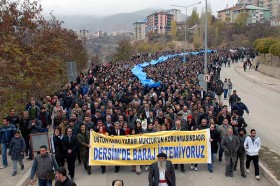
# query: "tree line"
268,45
33,52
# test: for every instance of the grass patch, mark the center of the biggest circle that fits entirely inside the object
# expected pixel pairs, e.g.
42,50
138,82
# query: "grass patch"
271,160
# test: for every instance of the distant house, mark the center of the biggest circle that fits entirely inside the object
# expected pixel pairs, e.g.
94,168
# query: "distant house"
272,5
226,15
139,29
255,13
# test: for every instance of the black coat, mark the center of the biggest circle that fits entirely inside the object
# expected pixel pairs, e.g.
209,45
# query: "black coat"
69,144
17,147
215,136
114,132
58,149
23,127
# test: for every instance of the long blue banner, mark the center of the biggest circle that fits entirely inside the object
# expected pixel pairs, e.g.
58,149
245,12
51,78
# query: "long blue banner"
137,70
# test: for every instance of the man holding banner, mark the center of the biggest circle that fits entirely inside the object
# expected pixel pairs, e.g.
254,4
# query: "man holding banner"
162,172
118,131
178,127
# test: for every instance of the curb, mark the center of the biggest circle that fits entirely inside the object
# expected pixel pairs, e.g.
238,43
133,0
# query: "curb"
268,175
24,180
253,81
264,171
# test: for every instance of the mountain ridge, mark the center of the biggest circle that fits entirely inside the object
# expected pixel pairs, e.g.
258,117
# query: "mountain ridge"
111,23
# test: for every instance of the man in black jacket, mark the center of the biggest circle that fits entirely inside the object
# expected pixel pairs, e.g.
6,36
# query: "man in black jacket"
69,145
241,152
238,122
233,98
117,131
62,179
178,127
23,127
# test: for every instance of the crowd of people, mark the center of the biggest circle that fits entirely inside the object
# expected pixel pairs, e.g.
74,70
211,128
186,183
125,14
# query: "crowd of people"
110,100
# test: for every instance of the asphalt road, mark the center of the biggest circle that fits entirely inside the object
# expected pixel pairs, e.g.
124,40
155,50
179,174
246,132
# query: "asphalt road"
263,104
189,178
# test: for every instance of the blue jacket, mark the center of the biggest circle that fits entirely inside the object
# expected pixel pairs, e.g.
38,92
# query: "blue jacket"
240,107
7,133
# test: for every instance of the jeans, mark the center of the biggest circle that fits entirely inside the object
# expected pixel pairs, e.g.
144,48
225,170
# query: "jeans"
4,147
225,93
210,165
229,92
44,182
15,164
256,163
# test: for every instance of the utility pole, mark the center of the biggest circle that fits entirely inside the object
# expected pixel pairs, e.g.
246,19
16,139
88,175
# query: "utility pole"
205,45
84,38
186,20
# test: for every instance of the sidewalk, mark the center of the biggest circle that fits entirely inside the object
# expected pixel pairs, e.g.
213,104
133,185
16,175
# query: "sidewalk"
258,78
6,174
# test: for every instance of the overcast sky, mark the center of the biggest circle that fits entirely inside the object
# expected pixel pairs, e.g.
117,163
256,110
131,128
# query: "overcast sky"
109,7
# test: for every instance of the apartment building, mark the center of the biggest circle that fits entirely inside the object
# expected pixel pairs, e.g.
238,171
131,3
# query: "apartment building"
274,6
248,2
160,22
139,30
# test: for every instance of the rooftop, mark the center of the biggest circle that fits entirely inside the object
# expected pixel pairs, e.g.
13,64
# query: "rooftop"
251,7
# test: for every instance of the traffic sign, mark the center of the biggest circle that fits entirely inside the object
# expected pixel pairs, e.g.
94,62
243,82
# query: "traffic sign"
207,78
200,77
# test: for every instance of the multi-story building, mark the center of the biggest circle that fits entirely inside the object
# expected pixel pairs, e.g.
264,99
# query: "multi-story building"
178,16
226,15
255,13
160,22
139,30
248,2
274,6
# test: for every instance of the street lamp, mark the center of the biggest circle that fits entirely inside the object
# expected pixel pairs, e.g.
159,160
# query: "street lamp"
205,45
185,42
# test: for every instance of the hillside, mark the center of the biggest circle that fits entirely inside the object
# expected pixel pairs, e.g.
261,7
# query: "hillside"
117,22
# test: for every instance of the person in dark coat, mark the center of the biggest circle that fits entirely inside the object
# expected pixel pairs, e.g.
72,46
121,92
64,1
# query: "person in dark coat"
17,148
7,132
57,149
204,125
83,139
62,179
233,98
23,127
162,172
45,118
35,126
178,127
214,139
70,144
238,122
241,153
118,131
240,107
13,118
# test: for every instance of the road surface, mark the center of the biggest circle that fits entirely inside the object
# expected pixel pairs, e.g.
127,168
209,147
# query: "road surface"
189,178
263,102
